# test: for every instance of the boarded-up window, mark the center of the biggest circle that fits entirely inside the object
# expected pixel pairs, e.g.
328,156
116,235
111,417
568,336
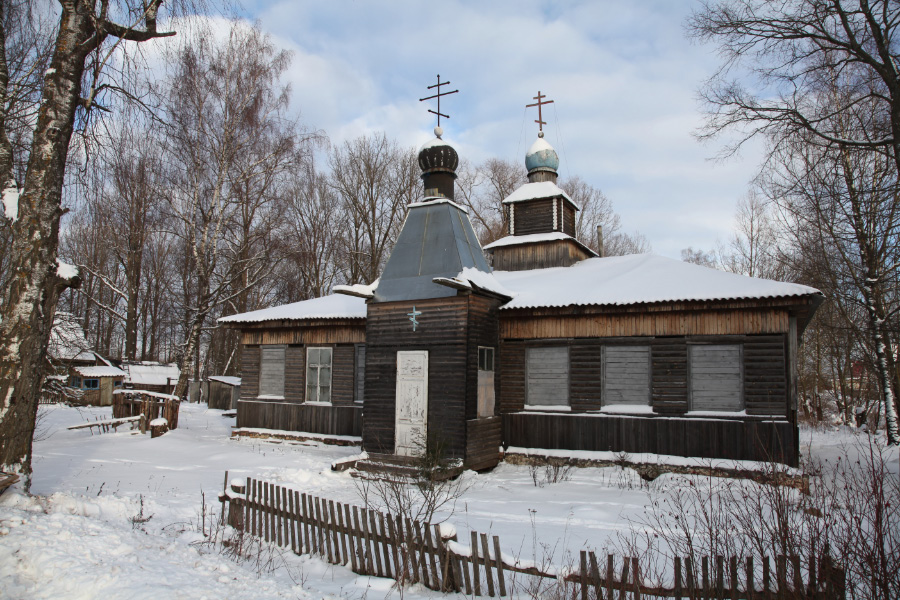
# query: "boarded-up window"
626,375
716,377
271,371
360,375
318,374
548,376
485,382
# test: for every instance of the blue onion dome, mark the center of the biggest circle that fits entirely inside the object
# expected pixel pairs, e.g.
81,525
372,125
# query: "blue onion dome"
541,156
437,155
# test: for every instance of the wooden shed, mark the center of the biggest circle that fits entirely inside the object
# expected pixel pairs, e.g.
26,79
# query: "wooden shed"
223,392
97,383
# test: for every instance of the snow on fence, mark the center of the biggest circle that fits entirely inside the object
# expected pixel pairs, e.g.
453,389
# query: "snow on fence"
372,543
152,405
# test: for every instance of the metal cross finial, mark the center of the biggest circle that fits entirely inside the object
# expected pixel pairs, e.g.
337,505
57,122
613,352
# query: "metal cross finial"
412,317
438,96
540,102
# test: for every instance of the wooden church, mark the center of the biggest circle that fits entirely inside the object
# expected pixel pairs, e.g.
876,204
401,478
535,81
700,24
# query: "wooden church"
545,346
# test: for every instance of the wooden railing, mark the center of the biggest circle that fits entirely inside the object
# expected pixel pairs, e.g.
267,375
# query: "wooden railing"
373,543
131,403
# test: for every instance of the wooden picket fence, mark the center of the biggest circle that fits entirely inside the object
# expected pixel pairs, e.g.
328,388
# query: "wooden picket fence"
372,543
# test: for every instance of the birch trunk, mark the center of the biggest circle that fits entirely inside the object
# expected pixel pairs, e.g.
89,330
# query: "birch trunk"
35,287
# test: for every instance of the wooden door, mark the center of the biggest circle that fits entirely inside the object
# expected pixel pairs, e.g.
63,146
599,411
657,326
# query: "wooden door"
412,402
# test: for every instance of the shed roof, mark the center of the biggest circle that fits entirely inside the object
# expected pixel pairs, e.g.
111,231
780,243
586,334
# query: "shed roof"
99,371
151,373
636,279
333,306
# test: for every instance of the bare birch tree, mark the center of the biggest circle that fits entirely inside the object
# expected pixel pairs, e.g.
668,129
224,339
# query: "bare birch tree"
87,34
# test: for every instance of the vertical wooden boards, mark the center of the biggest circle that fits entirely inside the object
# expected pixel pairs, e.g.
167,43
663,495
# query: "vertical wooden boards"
547,374
626,375
716,377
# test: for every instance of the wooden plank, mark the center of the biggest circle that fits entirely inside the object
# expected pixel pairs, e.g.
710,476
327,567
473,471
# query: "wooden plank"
278,491
707,590
798,575
335,535
766,576
751,582
386,545
636,577
373,534
476,575
350,534
432,551
582,576
733,579
623,582
720,577
501,581
411,550
293,501
420,546
489,578
305,519
610,576
267,512
395,544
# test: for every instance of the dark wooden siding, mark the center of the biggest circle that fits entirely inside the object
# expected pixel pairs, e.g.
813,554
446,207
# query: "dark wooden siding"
765,375
295,374
482,330
250,372
483,443
343,364
739,439
534,216
568,219
512,376
288,416
585,380
668,363
442,331
539,255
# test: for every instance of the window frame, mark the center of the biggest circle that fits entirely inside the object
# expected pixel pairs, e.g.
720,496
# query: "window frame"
84,383
319,366
604,400
487,351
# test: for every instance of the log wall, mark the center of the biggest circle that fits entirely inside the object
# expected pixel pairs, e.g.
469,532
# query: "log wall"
483,439
534,216
308,418
540,255
737,439
765,364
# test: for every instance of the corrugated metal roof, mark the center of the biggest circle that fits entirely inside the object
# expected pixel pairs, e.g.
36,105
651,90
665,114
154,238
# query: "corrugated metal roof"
636,279
333,306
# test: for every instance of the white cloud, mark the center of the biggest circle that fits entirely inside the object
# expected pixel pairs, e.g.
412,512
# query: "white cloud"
623,77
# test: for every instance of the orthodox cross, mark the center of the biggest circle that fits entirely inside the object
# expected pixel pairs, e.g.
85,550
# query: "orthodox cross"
412,317
438,96
540,102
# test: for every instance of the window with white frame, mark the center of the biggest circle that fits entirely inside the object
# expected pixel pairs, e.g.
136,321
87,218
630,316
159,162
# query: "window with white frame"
486,395
271,371
318,374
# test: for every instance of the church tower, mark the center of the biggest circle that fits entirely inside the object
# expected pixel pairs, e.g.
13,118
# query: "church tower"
432,333
540,216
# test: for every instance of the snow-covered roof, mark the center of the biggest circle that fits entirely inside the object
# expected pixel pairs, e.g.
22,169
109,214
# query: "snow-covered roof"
333,306
151,373
67,341
99,371
534,238
636,279
226,379
536,191
360,290
470,278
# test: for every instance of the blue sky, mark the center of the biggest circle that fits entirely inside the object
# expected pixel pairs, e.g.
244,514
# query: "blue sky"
622,74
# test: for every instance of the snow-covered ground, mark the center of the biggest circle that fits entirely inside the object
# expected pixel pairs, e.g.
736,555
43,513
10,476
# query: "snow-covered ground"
118,515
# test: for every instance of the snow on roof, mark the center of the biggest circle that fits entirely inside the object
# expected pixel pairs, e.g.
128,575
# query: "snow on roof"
431,200
636,279
151,373
485,281
333,306
359,290
226,379
67,341
532,238
538,190
99,371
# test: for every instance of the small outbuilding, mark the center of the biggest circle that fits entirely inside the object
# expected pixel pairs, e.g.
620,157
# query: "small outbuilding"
97,383
223,392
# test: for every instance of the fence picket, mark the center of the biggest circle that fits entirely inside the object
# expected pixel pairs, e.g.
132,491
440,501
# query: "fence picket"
280,521
751,579
623,584
335,535
582,576
798,575
781,575
610,575
733,577
476,575
395,548
489,578
373,535
385,546
411,551
706,587
766,577
501,582
636,577
464,566
720,577
351,540
293,521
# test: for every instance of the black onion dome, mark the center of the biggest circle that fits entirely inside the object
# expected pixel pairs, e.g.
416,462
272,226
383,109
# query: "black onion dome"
438,155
